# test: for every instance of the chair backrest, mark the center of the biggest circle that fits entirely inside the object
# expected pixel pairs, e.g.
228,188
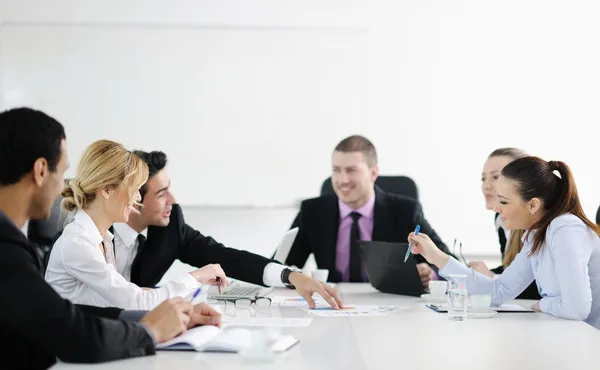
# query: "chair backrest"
41,233
402,185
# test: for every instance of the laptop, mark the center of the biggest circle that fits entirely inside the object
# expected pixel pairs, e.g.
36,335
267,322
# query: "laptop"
386,269
239,289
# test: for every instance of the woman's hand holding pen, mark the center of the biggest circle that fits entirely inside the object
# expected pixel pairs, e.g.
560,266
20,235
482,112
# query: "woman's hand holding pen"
423,245
210,274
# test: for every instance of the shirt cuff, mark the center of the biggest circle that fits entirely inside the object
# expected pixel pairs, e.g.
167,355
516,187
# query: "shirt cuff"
272,274
545,305
136,316
150,333
188,281
132,315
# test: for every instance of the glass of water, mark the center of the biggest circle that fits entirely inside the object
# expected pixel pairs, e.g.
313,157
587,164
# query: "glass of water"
458,297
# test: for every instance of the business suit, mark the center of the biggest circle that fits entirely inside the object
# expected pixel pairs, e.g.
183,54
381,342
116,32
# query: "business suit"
180,241
37,325
531,292
395,217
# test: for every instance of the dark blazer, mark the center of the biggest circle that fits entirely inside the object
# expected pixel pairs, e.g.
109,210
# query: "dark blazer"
531,292
37,325
180,241
395,216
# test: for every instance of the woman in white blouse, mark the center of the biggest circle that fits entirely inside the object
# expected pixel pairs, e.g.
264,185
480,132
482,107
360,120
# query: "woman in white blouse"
81,267
561,248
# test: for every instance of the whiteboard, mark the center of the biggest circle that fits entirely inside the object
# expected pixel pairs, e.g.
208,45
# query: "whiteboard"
246,115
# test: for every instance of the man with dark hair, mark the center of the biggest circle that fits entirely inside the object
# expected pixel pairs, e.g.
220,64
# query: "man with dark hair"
330,225
149,243
36,324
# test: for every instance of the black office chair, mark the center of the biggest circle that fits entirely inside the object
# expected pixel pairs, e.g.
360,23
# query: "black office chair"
598,216
41,233
402,185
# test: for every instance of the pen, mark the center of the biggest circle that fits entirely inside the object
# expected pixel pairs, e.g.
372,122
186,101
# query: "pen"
196,293
410,244
219,284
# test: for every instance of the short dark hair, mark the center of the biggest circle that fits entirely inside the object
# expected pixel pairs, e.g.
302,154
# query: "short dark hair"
535,178
25,136
156,161
358,143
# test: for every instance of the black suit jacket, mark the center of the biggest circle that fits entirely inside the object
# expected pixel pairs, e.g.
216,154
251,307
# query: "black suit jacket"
37,325
179,241
395,217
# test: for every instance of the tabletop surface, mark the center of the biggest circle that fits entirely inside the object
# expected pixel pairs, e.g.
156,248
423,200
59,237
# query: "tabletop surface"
415,338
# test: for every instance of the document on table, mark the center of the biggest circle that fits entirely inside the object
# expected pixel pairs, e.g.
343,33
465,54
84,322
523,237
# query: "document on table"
283,301
350,310
502,308
270,321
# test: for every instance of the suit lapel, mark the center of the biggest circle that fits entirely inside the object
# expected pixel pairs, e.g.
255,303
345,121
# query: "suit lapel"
383,221
329,233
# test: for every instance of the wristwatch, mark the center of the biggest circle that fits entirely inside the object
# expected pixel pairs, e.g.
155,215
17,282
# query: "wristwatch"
285,276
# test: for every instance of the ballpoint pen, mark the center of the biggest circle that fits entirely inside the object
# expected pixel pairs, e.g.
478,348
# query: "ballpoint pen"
196,293
410,244
219,284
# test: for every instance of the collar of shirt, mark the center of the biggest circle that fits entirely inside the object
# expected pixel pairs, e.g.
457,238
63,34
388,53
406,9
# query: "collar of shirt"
366,211
4,217
127,234
85,221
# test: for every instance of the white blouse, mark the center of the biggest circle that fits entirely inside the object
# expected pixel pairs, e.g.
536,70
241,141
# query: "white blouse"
80,272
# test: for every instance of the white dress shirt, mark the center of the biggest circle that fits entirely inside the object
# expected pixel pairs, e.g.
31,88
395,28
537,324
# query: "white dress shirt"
126,246
566,270
80,272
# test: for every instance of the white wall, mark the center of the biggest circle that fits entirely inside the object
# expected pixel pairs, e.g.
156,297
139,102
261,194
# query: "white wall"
442,84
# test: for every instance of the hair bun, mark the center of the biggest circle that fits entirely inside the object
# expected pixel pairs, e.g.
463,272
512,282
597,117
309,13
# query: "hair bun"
73,196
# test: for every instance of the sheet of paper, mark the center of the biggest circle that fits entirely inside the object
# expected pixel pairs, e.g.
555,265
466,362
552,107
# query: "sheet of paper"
350,310
511,307
270,321
283,301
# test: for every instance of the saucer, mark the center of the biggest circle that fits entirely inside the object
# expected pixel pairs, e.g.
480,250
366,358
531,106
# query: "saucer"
432,299
481,315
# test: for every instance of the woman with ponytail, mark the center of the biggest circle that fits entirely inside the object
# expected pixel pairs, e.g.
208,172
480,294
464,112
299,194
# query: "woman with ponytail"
510,240
561,246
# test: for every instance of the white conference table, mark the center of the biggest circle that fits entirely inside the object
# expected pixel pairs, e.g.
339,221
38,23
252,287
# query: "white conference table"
417,338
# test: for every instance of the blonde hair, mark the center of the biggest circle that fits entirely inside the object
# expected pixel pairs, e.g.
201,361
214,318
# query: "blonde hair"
104,164
513,247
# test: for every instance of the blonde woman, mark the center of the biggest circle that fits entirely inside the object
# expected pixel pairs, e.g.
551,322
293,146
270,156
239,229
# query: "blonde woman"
82,263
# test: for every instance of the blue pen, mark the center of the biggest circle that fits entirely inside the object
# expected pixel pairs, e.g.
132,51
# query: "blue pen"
417,229
196,293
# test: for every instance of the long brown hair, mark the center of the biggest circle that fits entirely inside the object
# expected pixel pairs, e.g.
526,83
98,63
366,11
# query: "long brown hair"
535,178
514,244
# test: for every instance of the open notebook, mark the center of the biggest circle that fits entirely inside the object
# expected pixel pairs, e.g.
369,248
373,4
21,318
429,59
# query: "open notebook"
212,339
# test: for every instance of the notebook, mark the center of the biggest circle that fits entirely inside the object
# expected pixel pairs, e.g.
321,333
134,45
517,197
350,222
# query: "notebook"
502,308
212,339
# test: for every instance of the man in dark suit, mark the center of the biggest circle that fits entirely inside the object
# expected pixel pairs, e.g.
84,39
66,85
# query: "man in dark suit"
148,244
36,324
329,226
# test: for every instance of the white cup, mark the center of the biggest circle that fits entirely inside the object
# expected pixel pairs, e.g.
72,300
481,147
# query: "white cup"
437,288
480,302
320,275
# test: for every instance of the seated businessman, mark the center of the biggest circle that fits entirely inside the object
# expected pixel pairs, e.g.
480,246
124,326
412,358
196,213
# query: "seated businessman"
37,326
330,225
148,244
